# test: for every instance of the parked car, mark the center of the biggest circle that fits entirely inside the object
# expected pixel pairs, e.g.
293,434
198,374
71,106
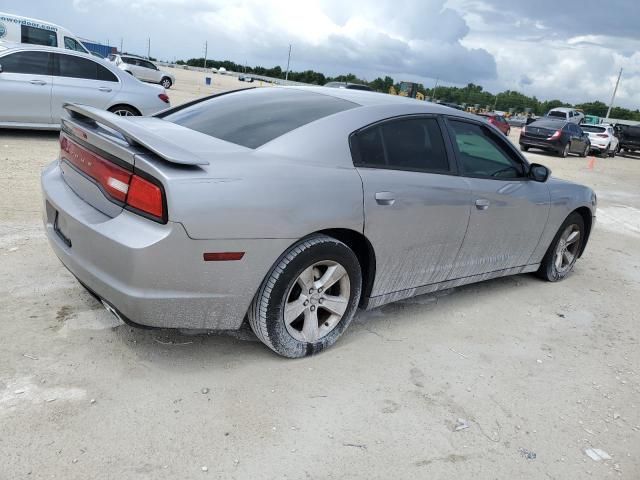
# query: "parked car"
252,204
628,136
603,139
558,136
349,86
19,29
245,78
142,69
568,114
497,121
36,81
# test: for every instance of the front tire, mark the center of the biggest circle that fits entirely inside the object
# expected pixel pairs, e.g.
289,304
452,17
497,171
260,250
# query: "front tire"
309,297
563,252
585,152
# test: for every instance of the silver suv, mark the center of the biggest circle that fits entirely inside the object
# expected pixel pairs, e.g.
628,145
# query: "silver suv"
142,69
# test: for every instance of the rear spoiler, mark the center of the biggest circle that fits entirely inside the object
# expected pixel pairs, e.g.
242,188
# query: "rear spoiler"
134,134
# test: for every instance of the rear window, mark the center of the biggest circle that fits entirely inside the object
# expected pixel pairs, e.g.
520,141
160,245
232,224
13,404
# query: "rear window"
547,124
254,117
589,128
557,114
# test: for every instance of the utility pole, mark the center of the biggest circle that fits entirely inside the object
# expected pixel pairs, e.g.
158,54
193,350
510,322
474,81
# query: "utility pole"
433,97
286,76
613,97
205,54
149,48
121,40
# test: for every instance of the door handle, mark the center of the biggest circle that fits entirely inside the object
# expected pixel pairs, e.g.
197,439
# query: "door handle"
37,82
385,198
482,204
104,89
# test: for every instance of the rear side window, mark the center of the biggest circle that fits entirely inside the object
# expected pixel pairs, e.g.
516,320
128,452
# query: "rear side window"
254,117
31,63
482,153
38,36
77,67
405,144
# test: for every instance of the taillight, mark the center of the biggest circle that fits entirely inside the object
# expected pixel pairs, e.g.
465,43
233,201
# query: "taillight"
145,196
164,97
555,135
117,183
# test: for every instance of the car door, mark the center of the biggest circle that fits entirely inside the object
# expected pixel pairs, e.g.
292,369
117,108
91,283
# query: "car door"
81,80
151,72
25,87
508,210
578,138
416,208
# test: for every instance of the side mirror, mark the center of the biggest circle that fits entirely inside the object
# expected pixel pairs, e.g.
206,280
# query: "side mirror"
539,173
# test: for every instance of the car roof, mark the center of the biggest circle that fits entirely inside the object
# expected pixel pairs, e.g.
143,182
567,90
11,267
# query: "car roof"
562,109
367,99
40,48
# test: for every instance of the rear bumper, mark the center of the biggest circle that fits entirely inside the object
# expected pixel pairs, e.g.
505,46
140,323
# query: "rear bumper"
541,143
153,274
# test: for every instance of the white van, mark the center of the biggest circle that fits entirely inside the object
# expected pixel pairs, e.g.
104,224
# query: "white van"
17,29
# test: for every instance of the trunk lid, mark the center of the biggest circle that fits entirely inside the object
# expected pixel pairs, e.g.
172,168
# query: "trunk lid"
99,151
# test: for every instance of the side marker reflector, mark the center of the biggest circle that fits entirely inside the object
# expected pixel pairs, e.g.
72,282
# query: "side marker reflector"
222,256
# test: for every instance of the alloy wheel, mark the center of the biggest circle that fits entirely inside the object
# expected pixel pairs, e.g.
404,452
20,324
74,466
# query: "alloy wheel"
317,301
124,113
567,249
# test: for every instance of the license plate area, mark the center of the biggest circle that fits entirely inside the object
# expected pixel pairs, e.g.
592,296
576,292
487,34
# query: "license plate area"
60,227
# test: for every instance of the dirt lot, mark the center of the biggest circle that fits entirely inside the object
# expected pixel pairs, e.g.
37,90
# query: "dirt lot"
538,371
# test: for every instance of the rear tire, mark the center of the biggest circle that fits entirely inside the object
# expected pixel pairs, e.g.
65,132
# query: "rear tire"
166,82
508,132
124,111
524,148
585,152
563,252
292,313
565,151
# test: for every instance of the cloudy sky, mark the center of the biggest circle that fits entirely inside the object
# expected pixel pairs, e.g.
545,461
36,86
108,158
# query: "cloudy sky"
571,50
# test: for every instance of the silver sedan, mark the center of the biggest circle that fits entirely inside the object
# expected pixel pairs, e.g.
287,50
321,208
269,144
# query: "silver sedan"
289,208
35,82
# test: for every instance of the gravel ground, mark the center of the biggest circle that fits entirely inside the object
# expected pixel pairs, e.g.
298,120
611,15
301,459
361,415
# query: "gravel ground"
511,378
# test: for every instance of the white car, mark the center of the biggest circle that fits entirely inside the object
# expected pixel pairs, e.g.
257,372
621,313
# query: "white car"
36,81
603,138
570,115
142,69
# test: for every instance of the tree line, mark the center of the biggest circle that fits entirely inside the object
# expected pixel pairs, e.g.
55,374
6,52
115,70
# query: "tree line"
469,95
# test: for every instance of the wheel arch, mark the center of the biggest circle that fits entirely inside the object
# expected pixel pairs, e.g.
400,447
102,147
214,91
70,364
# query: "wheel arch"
363,249
585,213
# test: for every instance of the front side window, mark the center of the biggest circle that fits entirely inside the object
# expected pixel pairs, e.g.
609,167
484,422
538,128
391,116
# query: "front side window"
404,144
73,44
256,116
78,67
30,63
482,153
38,36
